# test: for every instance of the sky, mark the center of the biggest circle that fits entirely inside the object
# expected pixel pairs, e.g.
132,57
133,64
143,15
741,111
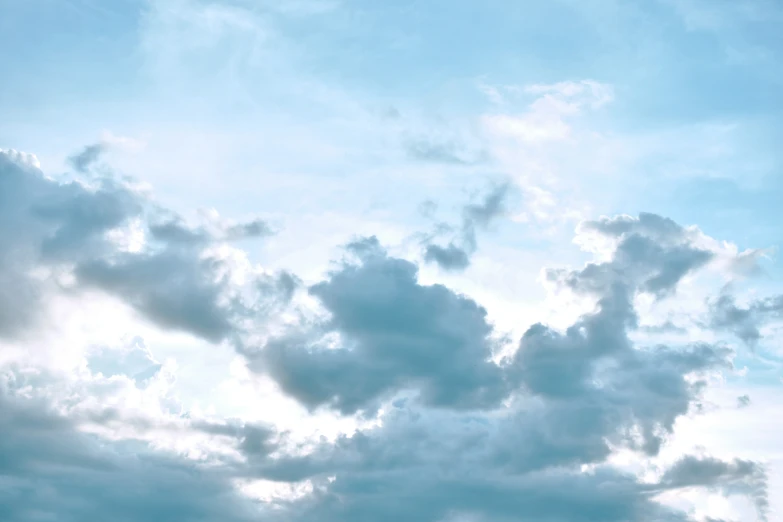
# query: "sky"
335,260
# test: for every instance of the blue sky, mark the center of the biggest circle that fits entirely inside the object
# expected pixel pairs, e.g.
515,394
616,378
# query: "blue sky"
215,169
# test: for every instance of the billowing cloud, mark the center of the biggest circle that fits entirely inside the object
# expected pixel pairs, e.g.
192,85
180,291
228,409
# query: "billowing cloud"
572,397
459,427
651,253
53,471
174,280
393,334
46,223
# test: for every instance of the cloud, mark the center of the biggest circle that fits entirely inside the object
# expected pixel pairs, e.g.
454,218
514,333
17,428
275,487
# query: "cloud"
571,398
176,280
745,322
651,252
546,119
173,289
394,334
456,434
440,151
51,470
45,223
85,159
450,257
737,476
475,216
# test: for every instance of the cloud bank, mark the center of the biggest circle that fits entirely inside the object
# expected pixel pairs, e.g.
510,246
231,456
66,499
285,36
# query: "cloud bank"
463,427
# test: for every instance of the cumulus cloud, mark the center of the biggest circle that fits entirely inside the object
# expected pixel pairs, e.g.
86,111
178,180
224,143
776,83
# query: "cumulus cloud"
650,253
394,333
52,470
45,223
573,396
175,280
461,430
450,257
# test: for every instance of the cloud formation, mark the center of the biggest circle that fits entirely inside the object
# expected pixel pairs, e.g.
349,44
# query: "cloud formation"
574,395
393,333
745,322
51,470
462,429
85,159
455,256
174,280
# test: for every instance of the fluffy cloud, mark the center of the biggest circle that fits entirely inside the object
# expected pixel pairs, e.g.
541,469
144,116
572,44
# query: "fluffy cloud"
44,224
395,334
175,280
575,396
461,430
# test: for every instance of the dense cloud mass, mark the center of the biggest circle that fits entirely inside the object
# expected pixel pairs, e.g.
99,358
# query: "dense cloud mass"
465,429
45,223
52,471
394,334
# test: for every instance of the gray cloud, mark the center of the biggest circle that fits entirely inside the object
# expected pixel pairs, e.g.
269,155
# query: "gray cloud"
173,289
573,396
53,225
176,231
43,222
85,159
51,471
462,439
396,334
652,255
450,257
745,322
475,216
